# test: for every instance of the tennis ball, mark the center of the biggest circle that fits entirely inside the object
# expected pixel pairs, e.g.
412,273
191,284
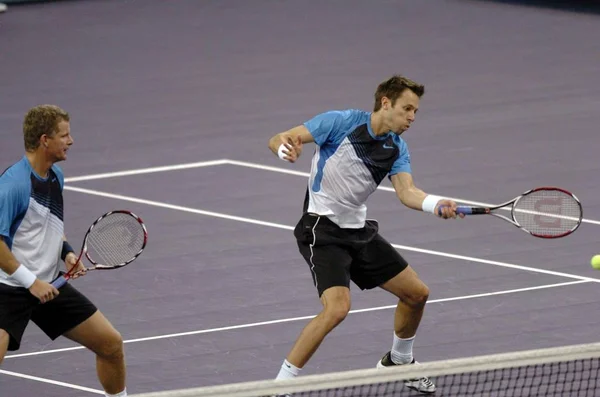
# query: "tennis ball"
595,262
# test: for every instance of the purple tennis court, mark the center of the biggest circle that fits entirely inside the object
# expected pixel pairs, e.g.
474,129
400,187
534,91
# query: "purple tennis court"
172,105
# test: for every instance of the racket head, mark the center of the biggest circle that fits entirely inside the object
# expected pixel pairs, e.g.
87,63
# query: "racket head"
115,239
548,212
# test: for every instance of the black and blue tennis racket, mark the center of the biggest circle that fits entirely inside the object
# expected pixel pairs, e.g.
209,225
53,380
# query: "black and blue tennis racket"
114,240
545,212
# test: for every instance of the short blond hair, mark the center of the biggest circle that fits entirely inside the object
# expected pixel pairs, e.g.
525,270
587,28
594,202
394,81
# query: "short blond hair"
41,120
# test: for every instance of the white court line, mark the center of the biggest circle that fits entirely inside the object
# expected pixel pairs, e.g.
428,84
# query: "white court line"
292,319
176,207
52,382
286,227
146,170
246,164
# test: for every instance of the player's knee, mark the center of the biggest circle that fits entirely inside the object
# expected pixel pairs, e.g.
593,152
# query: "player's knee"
336,311
336,305
418,297
336,314
112,347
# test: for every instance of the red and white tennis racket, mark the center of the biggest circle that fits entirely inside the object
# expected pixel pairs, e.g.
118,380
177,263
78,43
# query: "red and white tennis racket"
545,212
114,240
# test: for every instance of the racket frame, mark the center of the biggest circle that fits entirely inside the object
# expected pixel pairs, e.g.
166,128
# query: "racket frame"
98,266
468,210
62,279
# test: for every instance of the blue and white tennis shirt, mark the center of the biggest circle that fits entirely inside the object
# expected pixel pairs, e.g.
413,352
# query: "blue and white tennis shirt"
348,165
31,218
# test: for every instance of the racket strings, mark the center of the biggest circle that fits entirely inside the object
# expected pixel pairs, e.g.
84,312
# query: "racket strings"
548,212
115,240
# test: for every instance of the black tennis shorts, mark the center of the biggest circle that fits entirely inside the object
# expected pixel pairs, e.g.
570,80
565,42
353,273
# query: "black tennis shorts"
63,313
336,255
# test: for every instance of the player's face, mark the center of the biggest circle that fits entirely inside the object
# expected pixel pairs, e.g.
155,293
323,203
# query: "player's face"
58,144
402,114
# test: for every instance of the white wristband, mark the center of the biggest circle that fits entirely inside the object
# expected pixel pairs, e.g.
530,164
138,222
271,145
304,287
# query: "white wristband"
430,202
280,151
23,276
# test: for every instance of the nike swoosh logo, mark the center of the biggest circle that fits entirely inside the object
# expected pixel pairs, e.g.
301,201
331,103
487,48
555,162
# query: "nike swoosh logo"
386,146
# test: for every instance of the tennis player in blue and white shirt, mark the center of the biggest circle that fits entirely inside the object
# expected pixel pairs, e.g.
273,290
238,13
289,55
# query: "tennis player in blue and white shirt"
355,151
32,244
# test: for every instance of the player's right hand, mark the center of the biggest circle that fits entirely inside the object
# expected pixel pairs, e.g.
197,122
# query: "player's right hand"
448,209
44,291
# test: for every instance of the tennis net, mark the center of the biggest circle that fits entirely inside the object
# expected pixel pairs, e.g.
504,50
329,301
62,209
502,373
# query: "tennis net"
567,371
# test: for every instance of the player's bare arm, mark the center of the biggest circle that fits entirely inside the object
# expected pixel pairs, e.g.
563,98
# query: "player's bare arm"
8,263
288,145
413,197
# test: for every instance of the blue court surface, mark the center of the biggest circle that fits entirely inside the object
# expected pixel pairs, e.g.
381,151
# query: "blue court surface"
172,105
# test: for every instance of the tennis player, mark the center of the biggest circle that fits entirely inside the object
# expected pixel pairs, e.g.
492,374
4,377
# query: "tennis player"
355,151
32,242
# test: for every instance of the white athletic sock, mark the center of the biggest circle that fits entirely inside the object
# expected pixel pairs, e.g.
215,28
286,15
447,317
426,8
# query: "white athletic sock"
122,394
402,350
287,371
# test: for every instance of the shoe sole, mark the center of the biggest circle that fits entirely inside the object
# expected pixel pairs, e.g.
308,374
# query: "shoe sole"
419,390
380,365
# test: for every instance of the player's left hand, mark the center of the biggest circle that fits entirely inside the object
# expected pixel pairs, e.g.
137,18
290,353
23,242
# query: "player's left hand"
293,149
77,266
448,209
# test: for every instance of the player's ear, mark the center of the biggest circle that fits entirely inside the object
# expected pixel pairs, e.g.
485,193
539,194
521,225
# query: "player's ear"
385,103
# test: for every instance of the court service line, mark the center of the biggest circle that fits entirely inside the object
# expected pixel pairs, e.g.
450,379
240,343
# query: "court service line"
286,227
146,170
246,164
292,319
50,381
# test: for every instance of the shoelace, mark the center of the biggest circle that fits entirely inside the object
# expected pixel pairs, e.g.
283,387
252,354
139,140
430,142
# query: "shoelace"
426,381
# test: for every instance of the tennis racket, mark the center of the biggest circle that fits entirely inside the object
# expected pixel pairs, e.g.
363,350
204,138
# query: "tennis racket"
545,212
114,240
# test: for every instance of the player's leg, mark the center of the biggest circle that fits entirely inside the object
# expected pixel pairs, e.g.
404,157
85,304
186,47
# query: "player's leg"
329,265
413,295
4,339
72,315
336,305
332,283
97,334
380,264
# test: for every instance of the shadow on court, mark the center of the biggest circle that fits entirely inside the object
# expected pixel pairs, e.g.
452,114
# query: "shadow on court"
581,6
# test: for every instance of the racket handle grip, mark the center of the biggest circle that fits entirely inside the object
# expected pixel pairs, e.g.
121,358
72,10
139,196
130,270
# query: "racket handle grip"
464,210
460,210
468,210
59,282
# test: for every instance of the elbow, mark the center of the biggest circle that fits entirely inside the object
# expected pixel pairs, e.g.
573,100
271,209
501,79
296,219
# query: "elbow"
409,200
402,198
